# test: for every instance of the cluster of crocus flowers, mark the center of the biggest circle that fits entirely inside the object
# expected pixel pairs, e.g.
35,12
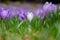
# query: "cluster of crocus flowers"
47,8
7,13
26,14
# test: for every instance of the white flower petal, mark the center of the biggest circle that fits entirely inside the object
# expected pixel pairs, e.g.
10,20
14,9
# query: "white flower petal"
30,16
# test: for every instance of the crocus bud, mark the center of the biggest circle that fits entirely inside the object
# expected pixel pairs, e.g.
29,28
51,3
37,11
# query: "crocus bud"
30,16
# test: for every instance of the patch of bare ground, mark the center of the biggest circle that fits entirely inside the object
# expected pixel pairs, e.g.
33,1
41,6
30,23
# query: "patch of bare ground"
1,37
37,34
51,38
27,37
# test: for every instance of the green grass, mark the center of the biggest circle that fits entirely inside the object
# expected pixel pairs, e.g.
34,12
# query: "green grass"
38,29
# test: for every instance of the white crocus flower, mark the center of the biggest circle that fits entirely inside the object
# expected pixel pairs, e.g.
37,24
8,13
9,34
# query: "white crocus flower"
30,16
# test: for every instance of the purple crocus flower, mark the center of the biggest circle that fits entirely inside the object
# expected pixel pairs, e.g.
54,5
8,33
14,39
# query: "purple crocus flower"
7,13
1,10
41,13
49,7
21,14
12,12
4,13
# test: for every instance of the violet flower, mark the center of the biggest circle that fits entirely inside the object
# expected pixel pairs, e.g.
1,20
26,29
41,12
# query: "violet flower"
7,13
41,13
1,11
21,14
49,7
12,12
4,14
